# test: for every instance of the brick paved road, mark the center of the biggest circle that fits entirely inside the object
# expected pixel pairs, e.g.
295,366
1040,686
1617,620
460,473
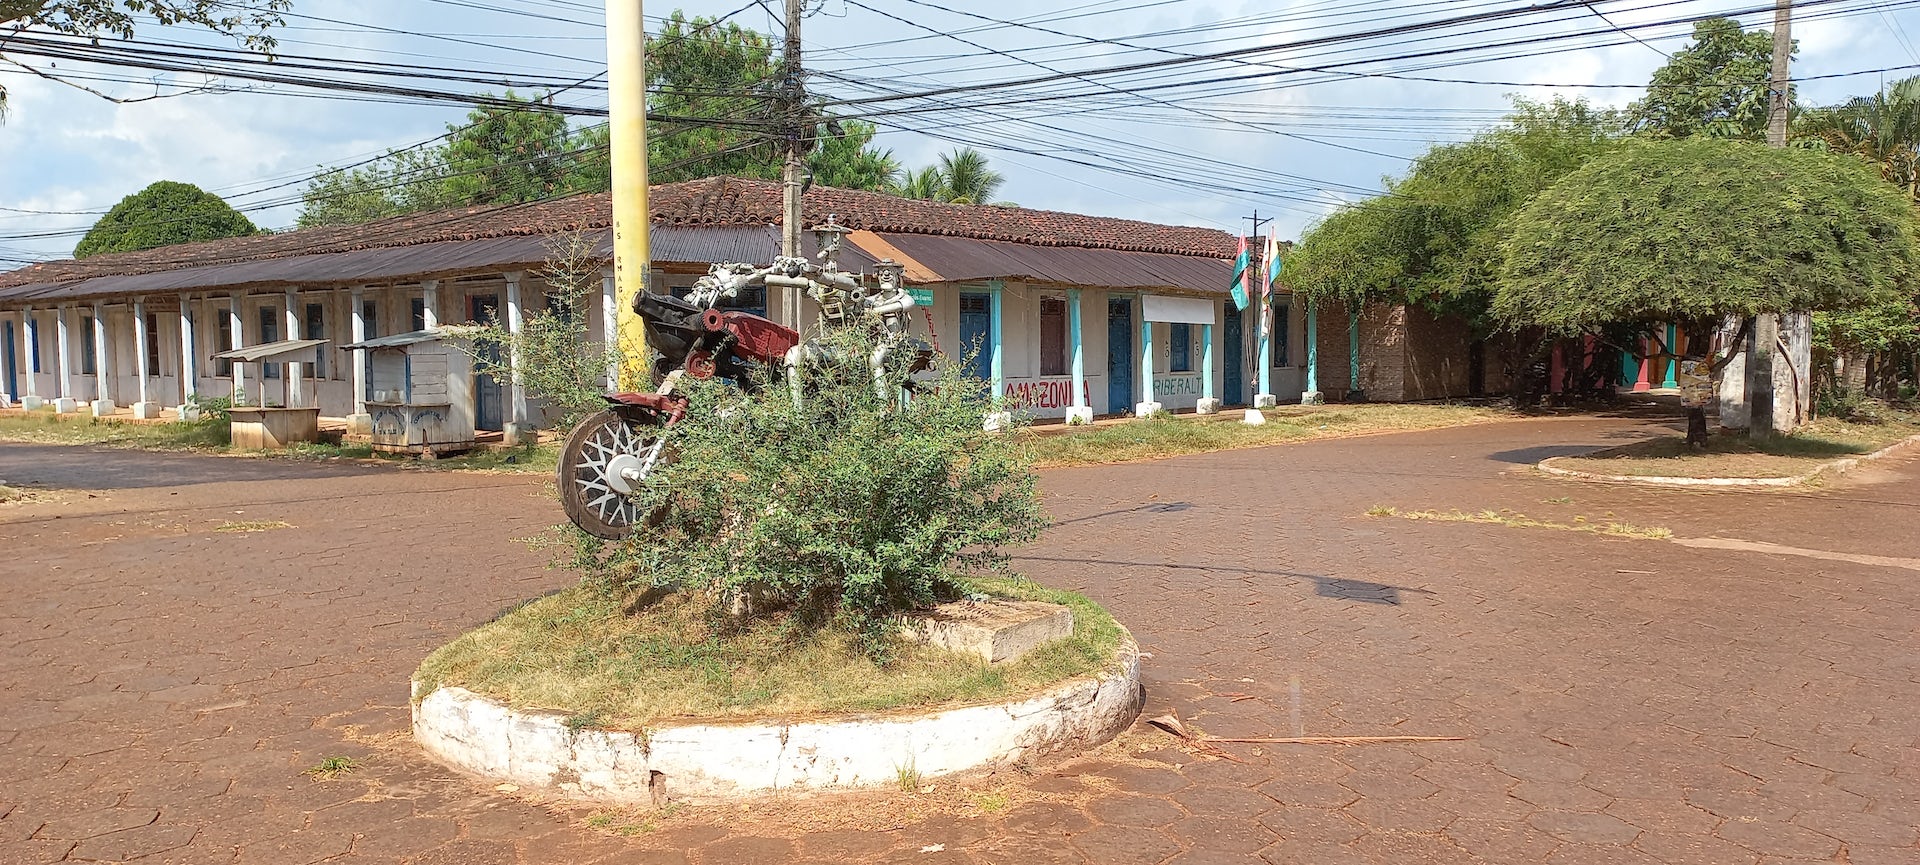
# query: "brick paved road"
1622,700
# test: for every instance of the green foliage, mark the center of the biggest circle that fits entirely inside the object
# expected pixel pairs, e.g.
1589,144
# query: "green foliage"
962,177
844,507
1434,238
1883,129
163,214
558,365
845,158
1716,87
1695,229
698,70
1875,327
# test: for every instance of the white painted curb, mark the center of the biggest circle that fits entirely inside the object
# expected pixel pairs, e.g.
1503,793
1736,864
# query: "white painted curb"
1830,467
536,749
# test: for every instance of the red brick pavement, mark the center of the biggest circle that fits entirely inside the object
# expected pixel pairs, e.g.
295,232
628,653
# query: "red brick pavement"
1622,700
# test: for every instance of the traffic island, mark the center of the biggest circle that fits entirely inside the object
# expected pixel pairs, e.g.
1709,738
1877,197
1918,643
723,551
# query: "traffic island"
1731,459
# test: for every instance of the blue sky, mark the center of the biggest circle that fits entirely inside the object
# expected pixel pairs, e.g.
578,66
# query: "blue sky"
1290,146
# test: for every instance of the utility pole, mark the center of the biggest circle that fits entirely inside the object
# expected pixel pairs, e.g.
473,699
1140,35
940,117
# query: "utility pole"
1263,349
794,97
1766,325
627,133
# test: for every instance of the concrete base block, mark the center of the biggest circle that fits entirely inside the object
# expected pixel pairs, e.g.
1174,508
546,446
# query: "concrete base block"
999,420
1265,400
517,434
1313,397
31,402
360,424
1207,405
1079,415
1254,417
187,413
66,405
146,410
1147,409
103,407
6,400
997,630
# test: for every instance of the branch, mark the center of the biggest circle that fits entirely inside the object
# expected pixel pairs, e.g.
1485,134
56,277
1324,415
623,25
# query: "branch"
117,100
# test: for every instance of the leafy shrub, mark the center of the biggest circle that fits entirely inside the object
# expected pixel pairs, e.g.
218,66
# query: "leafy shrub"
558,364
841,509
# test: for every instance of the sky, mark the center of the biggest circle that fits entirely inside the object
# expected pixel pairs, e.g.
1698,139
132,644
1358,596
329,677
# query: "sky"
1287,144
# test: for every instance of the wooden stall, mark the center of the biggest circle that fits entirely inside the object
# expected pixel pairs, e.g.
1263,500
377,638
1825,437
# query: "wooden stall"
420,392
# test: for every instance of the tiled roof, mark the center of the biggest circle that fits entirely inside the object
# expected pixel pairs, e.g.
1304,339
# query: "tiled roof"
719,201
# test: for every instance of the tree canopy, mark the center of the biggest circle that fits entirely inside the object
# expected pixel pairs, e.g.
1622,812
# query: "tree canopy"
163,214
1434,237
1695,229
1716,86
250,21
962,176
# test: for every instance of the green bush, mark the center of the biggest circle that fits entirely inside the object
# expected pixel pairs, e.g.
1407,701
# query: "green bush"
839,510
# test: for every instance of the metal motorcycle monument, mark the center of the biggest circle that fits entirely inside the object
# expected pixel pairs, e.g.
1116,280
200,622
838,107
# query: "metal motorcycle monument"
611,453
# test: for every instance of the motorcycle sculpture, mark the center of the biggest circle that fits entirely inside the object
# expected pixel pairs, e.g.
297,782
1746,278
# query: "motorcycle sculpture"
611,453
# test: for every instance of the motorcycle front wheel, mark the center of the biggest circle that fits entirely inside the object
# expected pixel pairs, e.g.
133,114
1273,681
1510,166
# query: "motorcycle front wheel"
605,459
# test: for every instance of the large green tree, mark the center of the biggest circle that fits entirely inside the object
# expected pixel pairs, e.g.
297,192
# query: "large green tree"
962,176
1699,229
163,214
1434,238
1717,86
250,21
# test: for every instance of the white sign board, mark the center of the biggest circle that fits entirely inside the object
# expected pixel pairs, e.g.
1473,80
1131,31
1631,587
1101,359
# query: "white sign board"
1178,310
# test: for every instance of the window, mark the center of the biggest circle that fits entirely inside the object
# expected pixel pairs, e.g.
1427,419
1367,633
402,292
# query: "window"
153,345
1282,346
369,319
33,344
89,357
316,328
418,306
1053,336
269,332
1180,345
224,367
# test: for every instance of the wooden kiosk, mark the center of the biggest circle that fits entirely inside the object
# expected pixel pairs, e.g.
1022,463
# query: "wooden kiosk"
419,393
263,424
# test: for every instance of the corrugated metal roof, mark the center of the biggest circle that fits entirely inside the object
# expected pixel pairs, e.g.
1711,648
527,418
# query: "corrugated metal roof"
397,340
271,351
958,259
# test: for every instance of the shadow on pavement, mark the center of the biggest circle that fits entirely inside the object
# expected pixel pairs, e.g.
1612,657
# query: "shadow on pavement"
70,467
1323,586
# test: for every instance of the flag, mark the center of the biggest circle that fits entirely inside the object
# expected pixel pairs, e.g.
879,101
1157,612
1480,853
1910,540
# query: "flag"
1240,299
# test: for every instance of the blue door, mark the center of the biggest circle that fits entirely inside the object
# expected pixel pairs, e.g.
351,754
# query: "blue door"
976,332
1119,354
1235,354
485,309
13,375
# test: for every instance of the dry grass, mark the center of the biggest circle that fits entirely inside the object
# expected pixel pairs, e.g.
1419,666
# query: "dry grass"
1174,436
1734,455
48,428
1516,520
584,655
251,526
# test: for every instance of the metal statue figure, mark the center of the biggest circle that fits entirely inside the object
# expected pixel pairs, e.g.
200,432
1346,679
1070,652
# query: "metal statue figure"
611,453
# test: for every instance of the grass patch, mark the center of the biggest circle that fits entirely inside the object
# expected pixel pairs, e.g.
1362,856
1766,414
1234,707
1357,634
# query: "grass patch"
1159,437
584,654
48,428
251,526
331,768
1512,519
1734,455
9,494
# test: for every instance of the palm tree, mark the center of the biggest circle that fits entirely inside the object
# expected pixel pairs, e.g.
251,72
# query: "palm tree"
925,184
967,178
1883,129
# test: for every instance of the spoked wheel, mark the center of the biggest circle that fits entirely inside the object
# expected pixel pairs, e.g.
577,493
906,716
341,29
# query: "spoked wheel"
605,459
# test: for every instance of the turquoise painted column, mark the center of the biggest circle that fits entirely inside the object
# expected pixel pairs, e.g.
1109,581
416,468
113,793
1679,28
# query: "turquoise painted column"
1353,352
1146,357
995,332
1265,322
1313,350
1206,361
1673,351
1077,347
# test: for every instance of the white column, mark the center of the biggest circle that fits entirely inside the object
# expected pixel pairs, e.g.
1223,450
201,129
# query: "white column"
29,341
294,396
189,365
360,421
517,426
610,327
237,339
103,358
1148,405
63,389
430,296
1208,404
142,409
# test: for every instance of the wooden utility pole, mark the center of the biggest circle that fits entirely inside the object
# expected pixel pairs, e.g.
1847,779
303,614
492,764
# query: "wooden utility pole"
627,135
1766,325
794,95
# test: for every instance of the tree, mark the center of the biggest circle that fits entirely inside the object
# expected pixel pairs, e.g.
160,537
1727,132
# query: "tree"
1716,86
163,214
1883,129
697,69
961,177
1694,230
845,158
249,21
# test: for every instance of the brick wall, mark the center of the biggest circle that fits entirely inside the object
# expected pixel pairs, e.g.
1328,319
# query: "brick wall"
1406,354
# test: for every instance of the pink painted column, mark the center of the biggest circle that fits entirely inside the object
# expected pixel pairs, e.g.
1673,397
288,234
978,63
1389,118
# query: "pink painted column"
1641,385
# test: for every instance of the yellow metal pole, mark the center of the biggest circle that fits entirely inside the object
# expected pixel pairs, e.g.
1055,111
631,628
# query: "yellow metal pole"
627,128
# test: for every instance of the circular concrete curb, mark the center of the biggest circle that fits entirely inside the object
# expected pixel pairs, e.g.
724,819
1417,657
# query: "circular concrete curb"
1830,467
537,750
